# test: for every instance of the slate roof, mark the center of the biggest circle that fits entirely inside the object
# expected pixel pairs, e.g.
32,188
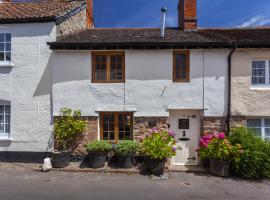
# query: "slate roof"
52,10
174,38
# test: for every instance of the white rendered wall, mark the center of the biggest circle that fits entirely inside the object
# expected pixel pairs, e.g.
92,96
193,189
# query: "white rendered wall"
148,89
27,86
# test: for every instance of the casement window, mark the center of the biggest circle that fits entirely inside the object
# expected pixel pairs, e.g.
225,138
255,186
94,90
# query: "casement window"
116,126
5,47
181,66
4,120
261,73
108,67
260,126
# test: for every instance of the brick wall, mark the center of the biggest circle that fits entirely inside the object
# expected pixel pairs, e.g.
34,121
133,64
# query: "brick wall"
187,14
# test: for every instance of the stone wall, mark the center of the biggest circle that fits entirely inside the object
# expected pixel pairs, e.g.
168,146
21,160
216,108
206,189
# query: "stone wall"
142,124
237,121
213,124
72,24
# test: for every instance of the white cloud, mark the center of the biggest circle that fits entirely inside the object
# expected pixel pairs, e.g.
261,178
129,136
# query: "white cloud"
258,20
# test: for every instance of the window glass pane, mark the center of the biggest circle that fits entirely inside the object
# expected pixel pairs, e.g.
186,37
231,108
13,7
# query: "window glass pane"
111,136
2,128
8,56
1,119
7,109
105,136
180,66
254,123
267,132
116,67
8,37
2,108
2,56
1,37
8,47
267,123
100,67
2,47
258,72
121,136
7,128
7,119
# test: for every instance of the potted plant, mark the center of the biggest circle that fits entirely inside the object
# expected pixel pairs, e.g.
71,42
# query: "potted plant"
97,153
158,145
125,152
221,152
203,151
67,127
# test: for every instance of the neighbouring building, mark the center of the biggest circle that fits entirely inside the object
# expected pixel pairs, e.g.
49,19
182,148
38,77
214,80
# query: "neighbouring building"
25,76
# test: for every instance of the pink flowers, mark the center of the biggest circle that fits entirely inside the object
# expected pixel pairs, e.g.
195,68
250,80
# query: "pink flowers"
206,139
171,133
221,136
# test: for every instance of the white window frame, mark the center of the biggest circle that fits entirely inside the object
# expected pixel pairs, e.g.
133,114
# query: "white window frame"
6,62
267,75
6,134
263,126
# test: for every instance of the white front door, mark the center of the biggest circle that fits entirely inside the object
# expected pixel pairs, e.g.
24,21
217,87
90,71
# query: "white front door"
186,125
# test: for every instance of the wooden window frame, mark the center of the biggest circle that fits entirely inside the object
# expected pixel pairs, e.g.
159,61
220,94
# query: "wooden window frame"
116,125
187,53
108,54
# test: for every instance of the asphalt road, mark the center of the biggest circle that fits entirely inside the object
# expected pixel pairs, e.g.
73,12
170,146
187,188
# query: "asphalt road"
27,185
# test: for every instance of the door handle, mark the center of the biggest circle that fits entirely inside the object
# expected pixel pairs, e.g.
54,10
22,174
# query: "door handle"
184,139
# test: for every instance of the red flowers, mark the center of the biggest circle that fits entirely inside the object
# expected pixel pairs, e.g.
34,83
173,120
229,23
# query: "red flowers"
206,139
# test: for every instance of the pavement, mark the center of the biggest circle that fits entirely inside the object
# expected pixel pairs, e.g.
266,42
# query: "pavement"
24,184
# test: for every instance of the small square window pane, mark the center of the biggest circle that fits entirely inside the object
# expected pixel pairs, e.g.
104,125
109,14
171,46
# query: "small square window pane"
7,119
267,132
8,37
111,136
2,128
7,109
2,109
128,136
1,37
8,47
8,56
1,119
254,123
2,56
7,128
267,123
2,45
105,136
121,136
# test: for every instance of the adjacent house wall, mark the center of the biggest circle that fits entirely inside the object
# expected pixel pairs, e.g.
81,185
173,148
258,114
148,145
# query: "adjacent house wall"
245,100
27,86
72,24
148,89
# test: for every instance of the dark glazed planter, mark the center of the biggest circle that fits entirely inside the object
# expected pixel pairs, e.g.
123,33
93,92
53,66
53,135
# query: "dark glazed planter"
219,167
205,163
60,159
125,162
97,160
155,166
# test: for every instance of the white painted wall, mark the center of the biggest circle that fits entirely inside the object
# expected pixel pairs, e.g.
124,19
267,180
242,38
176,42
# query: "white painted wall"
148,89
27,86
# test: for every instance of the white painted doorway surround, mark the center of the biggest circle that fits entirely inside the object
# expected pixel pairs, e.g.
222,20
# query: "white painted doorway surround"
186,125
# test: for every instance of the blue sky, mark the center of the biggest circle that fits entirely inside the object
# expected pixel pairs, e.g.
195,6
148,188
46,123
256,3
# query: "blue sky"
211,13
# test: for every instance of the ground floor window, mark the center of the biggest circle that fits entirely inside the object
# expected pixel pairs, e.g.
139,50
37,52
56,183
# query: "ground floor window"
115,126
4,120
261,126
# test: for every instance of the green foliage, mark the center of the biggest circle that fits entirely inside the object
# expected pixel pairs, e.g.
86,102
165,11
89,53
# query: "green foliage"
99,147
67,127
127,147
221,149
254,161
158,145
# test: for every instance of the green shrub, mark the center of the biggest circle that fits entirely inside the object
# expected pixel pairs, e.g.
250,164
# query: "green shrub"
159,145
125,148
67,127
254,161
99,147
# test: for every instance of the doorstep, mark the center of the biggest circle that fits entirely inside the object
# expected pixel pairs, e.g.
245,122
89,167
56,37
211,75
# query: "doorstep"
188,169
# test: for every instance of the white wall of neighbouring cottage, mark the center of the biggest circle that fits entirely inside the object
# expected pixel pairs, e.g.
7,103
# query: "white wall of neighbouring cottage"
27,86
148,88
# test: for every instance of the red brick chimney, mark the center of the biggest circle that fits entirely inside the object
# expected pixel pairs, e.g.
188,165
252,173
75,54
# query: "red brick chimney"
187,14
89,14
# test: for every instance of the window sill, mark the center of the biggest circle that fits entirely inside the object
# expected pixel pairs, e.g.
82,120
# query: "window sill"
6,65
266,87
6,139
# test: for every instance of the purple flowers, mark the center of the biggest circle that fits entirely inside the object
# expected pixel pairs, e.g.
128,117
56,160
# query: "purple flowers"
174,149
171,133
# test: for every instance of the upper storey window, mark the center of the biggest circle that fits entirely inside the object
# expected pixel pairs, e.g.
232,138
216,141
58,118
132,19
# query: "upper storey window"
5,47
181,66
108,67
260,73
